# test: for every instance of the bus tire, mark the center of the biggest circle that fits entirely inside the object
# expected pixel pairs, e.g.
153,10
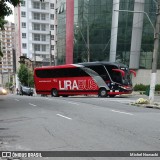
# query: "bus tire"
102,92
54,93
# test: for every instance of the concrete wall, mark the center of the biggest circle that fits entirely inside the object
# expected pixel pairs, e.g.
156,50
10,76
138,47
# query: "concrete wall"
144,77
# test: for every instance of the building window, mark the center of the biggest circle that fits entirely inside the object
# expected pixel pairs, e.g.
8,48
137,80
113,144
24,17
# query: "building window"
37,47
36,5
43,27
24,45
43,47
36,16
52,47
43,17
23,14
23,35
52,5
44,56
52,37
56,11
43,6
36,26
52,16
52,27
43,37
23,25
23,3
36,37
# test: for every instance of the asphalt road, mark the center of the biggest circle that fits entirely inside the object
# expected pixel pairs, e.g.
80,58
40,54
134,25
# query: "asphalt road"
77,124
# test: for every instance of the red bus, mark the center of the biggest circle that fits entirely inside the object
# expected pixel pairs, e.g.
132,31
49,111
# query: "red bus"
98,78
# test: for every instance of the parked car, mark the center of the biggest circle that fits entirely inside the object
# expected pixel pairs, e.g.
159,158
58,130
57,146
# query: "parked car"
3,91
26,91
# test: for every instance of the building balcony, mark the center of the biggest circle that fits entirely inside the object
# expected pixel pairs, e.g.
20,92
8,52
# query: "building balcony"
39,32
47,10
40,42
47,21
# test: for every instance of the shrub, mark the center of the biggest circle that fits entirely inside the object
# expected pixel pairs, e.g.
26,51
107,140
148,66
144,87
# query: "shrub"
140,87
157,88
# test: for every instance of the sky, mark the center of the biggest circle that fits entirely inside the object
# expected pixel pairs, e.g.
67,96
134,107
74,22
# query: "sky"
11,17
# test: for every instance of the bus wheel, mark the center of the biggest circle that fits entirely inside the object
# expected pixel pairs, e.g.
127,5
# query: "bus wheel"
54,93
102,92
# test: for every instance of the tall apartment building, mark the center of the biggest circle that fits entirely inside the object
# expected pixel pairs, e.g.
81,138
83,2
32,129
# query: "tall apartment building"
35,26
7,42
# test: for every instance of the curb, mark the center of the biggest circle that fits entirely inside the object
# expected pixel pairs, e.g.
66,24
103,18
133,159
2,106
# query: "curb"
155,106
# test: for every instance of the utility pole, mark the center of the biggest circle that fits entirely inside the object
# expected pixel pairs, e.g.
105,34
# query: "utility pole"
155,55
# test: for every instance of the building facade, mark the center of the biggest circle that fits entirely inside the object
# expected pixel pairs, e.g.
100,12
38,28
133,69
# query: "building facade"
95,30
35,24
7,62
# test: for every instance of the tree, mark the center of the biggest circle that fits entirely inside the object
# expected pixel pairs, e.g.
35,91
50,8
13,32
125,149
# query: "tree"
25,76
5,10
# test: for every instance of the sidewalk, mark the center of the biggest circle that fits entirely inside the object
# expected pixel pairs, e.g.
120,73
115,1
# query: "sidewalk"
143,101
156,96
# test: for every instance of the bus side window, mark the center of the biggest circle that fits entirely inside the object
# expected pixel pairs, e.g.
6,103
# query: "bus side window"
101,71
72,72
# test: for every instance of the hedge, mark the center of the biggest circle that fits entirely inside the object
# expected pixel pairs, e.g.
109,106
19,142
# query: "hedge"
142,87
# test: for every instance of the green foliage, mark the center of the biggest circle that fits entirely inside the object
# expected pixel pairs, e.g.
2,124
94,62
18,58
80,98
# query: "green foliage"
25,76
5,10
2,22
1,54
142,87
8,84
157,88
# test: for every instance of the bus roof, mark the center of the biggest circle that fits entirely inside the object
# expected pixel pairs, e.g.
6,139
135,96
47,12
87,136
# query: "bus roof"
56,67
85,64
102,63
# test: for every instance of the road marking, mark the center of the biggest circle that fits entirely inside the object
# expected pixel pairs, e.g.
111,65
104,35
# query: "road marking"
73,103
64,116
32,104
122,112
16,99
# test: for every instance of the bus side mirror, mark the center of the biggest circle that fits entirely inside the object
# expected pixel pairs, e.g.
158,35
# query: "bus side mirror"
119,70
134,72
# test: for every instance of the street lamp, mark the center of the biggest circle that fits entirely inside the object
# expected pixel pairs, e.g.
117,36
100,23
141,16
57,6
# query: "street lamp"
86,43
155,50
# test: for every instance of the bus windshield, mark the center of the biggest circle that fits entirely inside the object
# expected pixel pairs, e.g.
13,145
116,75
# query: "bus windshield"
121,75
